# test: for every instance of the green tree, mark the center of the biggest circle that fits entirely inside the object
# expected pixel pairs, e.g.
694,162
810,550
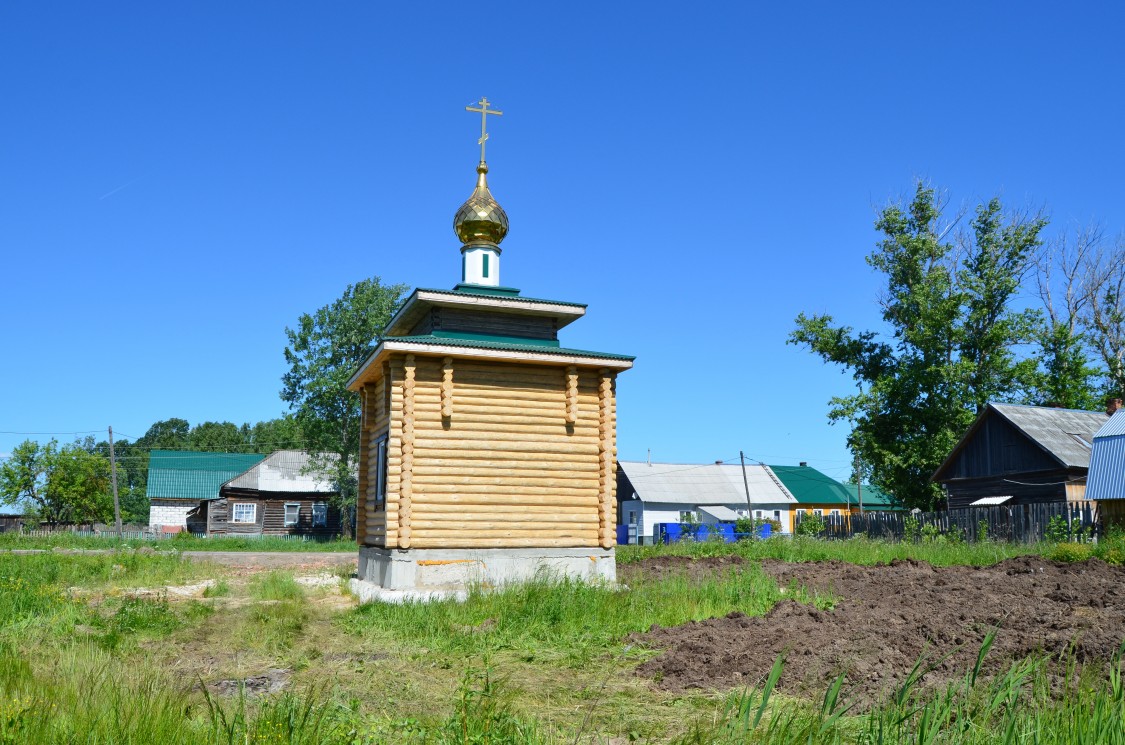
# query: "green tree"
952,331
324,351
219,437
1067,376
67,484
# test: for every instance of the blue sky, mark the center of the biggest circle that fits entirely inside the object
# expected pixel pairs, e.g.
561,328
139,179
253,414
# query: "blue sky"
178,182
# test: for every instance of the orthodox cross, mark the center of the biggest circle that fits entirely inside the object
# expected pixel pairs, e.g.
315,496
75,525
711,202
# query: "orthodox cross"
484,111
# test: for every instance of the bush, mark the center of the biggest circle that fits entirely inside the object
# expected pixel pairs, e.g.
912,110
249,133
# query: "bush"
1069,552
1057,530
811,525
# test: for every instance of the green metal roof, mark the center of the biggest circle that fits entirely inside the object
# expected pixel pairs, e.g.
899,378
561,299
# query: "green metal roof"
501,292
185,474
481,341
874,498
810,486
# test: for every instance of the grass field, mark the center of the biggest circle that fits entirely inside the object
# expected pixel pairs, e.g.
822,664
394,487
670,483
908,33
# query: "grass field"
12,540
106,648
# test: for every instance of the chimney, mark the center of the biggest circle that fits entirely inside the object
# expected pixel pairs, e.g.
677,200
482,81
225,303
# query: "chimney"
1112,406
804,464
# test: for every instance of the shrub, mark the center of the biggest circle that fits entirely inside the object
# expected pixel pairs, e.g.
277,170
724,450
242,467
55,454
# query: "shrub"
1070,552
811,525
1057,530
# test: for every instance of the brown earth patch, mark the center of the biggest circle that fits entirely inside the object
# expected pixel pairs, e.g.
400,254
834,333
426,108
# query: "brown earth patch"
886,617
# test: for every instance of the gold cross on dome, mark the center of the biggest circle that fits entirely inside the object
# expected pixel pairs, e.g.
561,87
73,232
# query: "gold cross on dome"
484,112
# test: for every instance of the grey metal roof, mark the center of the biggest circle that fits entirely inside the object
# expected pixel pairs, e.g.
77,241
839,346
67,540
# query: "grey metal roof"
709,484
285,471
1064,433
1114,426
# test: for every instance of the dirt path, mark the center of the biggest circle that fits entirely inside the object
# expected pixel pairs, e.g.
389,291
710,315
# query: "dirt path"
886,617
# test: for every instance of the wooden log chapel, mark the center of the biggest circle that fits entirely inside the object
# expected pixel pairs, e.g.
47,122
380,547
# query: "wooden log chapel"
489,449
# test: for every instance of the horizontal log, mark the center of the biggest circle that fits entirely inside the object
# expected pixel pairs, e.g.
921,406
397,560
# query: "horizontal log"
539,432
431,434
478,526
508,500
430,465
462,509
530,409
452,531
438,455
430,482
568,491
501,447
543,542
467,391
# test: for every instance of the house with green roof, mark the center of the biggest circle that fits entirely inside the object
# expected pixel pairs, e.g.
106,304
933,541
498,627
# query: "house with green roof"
814,491
179,480
821,494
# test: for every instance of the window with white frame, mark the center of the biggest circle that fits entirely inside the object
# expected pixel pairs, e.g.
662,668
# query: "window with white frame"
688,516
777,515
292,513
320,514
244,512
818,513
758,514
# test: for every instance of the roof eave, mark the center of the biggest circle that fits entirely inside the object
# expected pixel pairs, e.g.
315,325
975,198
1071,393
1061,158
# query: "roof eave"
389,345
422,299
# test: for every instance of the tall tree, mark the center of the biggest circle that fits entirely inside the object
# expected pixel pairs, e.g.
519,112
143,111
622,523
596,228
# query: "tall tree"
1067,376
324,351
952,330
67,484
1104,314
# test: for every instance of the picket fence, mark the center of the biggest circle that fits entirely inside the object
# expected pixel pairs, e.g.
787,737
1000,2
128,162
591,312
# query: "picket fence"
1019,523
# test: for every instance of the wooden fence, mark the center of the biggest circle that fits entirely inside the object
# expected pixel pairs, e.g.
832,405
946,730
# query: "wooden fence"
1024,523
148,535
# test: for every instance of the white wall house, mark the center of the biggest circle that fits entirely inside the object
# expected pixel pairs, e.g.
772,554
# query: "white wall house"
652,493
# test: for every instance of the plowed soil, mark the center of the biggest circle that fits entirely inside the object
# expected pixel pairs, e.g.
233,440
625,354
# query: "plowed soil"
885,618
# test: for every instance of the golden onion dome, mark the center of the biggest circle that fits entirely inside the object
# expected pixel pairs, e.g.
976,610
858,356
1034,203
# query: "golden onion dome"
481,219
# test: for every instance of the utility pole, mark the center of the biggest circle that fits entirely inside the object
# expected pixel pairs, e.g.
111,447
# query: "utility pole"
113,478
859,483
746,485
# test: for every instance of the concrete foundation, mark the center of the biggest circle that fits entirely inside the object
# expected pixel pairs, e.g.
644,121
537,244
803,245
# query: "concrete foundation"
442,572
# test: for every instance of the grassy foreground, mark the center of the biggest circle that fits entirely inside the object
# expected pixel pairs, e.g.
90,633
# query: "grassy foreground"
96,649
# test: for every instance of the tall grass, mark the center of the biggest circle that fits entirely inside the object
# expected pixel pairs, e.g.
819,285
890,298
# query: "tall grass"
854,551
1025,704
550,616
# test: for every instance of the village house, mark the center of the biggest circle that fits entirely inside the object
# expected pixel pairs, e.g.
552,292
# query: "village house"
1015,454
487,447
815,492
280,495
1106,483
179,480
652,494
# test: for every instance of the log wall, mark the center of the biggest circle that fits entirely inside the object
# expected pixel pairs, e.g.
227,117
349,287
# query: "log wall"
492,455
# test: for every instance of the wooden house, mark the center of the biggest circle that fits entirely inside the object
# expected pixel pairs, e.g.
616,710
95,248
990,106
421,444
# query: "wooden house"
179,480
277,496
653,493
1020,455
488,448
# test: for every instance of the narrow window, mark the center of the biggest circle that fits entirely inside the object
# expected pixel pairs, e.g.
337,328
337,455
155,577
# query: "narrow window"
320,514
292,513
758,514
381,472
777,515
244,512
818,513
484,266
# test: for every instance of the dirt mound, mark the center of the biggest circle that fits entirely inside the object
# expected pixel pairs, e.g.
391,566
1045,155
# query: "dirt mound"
886,617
